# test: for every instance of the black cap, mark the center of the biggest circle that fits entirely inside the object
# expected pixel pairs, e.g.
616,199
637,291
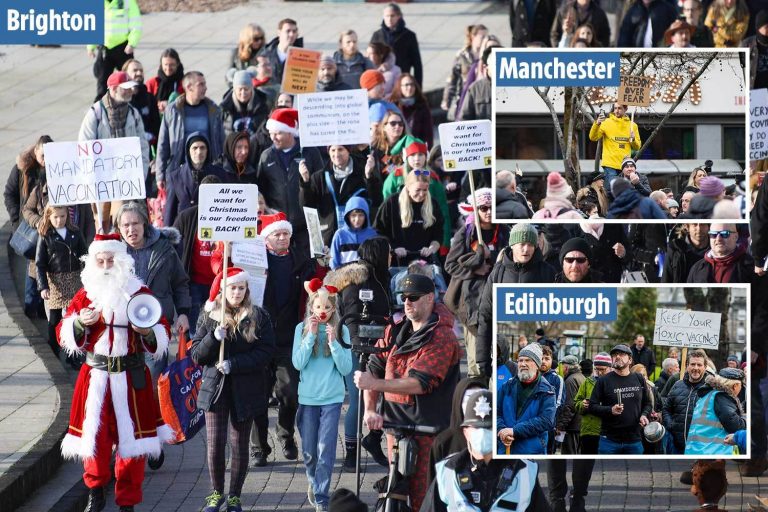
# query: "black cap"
596,175
732,374
416,284
478,412
621,348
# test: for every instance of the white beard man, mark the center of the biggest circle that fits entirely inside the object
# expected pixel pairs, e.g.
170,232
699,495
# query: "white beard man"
114,402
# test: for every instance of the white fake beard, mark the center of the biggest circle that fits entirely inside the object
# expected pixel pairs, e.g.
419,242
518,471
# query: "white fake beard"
106,288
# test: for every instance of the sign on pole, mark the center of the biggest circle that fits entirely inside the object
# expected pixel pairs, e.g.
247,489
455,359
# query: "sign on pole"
94,171
758,124
466,145
635,90
228,212
685,328
339,117
301,70
315,232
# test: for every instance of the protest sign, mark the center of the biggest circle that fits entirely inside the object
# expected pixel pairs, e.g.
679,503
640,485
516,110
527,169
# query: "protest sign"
228,212
685,328
758,124
257,283
301,70
327,118
315,232
466,145
635,90
94,171
250,254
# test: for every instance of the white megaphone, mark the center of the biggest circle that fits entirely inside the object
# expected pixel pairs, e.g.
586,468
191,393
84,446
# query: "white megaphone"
144,310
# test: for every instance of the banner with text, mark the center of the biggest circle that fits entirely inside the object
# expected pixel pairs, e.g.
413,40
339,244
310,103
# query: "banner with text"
521,304
228,212
466,145
339,117
533,68
43,22
685,328
758,124
635,90
94,171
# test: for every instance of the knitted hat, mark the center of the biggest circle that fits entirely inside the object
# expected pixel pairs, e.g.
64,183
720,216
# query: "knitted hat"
761,18
483,197
344,500
370,79
276,222
711,186
242,79
619,185
478,412
107,243
410,145
671,203
628,160
570,360
532,351
523,233
586,366
557,186
575,244
284,120
732,374
602,359
733,358
327,59
234,275
376,112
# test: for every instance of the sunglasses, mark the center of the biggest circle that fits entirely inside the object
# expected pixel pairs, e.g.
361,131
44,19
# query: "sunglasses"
421,172
575,260
723,234
484,209
396,123
258,38
411,298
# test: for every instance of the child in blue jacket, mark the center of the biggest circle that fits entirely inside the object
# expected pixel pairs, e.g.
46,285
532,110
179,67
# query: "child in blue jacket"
357,229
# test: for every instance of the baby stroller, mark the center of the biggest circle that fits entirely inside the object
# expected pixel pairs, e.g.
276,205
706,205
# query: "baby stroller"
417,265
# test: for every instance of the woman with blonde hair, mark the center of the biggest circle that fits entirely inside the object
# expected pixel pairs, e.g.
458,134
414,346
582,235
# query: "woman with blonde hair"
250,41
728,20
233,389
411,220
694,179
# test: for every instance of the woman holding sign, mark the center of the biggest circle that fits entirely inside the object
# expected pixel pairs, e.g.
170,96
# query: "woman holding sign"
233,389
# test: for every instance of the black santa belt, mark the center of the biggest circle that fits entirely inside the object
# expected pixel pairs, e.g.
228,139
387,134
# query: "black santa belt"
133,363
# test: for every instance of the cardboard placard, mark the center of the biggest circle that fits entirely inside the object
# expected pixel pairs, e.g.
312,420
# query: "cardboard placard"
466,145
339,117
228,212
301,69
635,90
686,328
315,232
250,254
758,124
94,171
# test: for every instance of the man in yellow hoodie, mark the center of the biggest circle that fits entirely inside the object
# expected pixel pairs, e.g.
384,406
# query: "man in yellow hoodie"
620,137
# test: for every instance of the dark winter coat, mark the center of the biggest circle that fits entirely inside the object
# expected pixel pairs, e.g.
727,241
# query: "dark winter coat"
660,13
414,237
349,71
647,240
405,47
245,385
535,421
510,206
743,272
678,409
604,257
543,13
477,102
418,117
680,257
146,104
505,271
270,51
55,255
568,420
646,357
13,196
352,278
256,110
594,15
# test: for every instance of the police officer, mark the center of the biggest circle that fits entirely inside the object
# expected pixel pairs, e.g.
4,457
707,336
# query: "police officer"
472,480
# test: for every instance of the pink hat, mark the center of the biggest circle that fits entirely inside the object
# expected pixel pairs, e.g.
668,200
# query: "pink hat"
276,222
107,243
284,120
557,186
234,275
711,186
120,78
602,359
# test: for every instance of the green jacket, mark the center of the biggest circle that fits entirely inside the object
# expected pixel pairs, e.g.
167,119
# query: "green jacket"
121,25
590,424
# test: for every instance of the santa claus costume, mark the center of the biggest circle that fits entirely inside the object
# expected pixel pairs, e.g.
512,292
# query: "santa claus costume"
113,403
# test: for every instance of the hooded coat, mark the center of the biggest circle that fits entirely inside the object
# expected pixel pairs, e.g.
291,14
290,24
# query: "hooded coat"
256,110
510,206
346,240
244,174
405,46
631,205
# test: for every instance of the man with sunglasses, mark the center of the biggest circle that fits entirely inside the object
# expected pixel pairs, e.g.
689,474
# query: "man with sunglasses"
417,374
727,260
575,257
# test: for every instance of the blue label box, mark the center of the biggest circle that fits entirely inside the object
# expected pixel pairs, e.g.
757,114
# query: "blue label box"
544,69
51,22
573,304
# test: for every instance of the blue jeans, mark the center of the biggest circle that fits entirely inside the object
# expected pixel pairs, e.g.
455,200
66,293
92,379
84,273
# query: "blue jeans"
32,300
608,447
350,419
199,294
610,173
319,428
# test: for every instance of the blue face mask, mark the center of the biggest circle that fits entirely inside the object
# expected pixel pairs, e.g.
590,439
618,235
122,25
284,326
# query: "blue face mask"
481,440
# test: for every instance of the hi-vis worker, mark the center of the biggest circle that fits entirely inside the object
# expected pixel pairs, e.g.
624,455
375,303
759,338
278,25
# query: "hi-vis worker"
620,137
471,481
122,32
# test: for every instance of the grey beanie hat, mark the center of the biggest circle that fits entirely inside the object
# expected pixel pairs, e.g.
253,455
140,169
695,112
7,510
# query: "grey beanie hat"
532,351
242,79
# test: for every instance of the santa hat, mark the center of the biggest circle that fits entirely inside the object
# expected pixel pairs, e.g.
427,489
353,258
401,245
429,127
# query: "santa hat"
557,186
276,222
234,275
107,243
284,120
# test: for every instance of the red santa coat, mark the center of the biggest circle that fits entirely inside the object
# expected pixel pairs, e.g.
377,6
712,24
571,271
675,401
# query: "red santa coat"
140,427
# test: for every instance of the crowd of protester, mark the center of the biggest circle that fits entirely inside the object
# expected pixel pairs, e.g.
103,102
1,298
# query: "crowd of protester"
393,223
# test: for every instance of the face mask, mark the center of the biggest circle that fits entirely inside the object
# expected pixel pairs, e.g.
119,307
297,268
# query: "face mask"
481,440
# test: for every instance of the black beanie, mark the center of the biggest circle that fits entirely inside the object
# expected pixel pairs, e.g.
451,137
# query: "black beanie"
576,244
344,500
619,185
761,18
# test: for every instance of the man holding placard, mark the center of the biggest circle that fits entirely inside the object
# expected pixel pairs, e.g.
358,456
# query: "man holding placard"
619,135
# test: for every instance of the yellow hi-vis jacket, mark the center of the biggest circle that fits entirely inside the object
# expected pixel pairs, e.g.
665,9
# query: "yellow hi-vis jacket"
122,22
615,134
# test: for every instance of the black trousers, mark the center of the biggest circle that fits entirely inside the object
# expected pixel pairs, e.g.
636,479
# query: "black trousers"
284,378
112,59
580,475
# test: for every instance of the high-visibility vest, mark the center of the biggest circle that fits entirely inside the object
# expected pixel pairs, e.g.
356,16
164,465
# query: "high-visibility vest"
122,22
706,435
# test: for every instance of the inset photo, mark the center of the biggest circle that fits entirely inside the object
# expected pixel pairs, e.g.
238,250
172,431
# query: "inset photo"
635,372
648,135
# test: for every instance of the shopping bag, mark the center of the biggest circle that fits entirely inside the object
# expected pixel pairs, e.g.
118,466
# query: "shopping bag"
177,390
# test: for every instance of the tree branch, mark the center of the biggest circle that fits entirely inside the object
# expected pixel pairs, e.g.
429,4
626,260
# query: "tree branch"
553,113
